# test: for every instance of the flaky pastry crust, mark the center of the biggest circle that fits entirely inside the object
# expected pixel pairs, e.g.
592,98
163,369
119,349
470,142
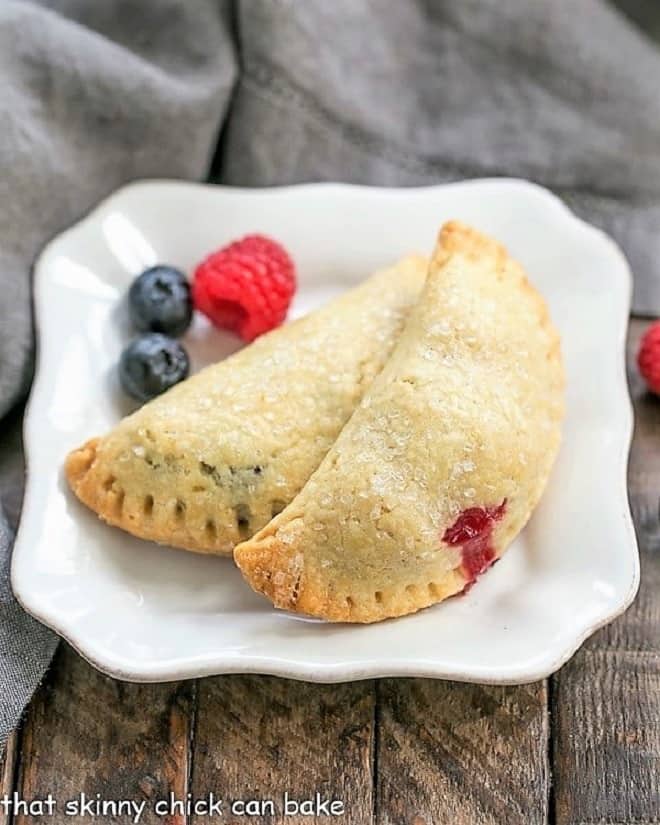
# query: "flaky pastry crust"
443,460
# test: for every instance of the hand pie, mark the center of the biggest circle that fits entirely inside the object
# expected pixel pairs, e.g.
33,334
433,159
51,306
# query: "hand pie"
442,462
216,457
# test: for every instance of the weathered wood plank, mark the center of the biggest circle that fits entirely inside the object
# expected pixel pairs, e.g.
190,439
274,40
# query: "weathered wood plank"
461,754
87,733
259,737
606,720
8,762
606,702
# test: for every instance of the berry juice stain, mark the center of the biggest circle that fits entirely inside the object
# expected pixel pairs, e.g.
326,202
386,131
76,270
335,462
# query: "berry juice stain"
473,533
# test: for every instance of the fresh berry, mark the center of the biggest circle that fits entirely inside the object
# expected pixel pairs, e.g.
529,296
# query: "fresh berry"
159,301
152,364
246,287
648,357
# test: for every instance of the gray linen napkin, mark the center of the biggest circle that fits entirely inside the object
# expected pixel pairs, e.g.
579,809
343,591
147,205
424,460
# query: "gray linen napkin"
375,91
564,93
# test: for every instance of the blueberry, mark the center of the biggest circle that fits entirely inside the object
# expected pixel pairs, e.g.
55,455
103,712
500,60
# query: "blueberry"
152,364
159,301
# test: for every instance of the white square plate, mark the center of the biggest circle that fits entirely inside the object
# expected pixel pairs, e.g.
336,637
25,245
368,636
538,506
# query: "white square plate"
147,613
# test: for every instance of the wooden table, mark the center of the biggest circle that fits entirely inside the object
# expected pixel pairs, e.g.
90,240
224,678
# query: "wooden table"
582,747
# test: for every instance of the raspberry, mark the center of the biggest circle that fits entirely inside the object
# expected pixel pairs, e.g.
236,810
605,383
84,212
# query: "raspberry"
246,287
648,357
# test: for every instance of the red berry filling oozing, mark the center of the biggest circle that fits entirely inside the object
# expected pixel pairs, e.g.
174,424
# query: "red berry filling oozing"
473,533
